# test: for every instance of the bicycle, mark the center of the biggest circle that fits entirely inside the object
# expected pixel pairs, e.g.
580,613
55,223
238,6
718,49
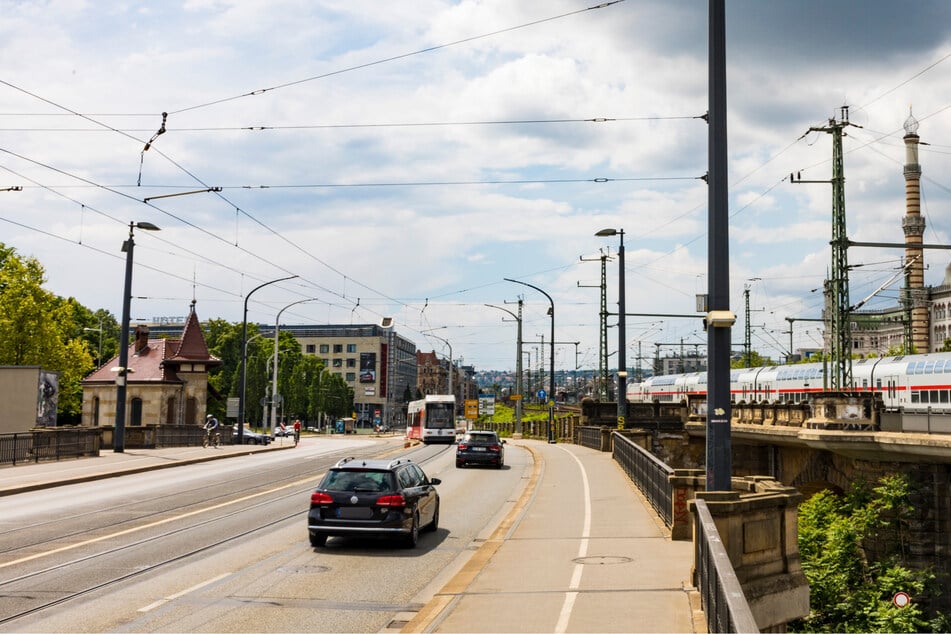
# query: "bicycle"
215,439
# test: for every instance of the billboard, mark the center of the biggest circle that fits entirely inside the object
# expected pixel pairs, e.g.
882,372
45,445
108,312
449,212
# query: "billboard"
367,367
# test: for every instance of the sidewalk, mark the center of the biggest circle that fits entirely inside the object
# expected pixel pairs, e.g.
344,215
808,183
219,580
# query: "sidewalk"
580,552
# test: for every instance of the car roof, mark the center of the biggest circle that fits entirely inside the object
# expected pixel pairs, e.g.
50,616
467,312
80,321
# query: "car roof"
354,463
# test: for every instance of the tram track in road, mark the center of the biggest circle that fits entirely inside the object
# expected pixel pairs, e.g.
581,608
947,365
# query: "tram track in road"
22,587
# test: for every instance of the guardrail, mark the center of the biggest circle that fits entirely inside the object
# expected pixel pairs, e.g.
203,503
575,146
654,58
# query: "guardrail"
650,475
721,595
48,445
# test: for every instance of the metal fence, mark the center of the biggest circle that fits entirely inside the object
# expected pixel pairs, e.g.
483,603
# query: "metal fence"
722,599
37,446
650,475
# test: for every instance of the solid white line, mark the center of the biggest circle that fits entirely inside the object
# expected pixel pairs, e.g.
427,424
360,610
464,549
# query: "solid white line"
565,615
177,595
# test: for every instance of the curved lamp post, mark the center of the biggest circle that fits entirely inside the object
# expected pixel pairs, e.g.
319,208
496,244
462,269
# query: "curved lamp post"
118,440
551,376
449,345
244,352
274,392
518,368
621,330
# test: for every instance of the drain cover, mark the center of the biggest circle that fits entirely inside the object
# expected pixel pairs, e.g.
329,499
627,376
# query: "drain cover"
602,560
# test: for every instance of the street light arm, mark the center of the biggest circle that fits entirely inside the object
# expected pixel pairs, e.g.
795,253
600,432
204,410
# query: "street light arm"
274,392
551,378
244,355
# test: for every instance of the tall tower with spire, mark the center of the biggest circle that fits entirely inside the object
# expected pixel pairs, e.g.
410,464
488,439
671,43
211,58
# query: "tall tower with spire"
913,224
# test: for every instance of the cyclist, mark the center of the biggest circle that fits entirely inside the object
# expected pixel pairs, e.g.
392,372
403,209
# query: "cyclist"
211,431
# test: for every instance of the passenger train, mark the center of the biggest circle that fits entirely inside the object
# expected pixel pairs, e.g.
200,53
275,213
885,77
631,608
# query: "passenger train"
911,383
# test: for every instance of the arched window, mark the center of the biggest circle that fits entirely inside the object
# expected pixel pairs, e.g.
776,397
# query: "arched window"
191,411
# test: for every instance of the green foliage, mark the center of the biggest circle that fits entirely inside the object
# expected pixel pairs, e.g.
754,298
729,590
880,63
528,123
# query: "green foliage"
37,328
756,360
852,585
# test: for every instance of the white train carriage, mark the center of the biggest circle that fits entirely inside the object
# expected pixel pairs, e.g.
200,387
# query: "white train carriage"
913,383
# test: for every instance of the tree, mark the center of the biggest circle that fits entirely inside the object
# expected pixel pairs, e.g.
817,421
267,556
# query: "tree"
38,328
854,552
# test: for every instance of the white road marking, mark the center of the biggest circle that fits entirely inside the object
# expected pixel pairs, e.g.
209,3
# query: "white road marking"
565,615
143,527
172,597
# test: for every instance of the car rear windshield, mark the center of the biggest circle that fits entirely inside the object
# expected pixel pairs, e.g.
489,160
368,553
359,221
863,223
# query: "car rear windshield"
357,480
485,439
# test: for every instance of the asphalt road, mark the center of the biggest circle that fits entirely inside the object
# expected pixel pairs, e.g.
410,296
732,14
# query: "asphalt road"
222,547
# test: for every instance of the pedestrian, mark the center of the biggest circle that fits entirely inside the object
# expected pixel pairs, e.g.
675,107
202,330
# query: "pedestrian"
296,431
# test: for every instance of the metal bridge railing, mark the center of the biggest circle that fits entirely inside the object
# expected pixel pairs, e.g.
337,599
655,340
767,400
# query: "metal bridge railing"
722,599
650,475
42,446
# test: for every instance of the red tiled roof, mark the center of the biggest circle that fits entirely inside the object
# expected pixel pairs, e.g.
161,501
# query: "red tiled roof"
162,357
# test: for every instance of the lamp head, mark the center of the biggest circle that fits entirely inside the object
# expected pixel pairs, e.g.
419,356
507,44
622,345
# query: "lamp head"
604,233
148,226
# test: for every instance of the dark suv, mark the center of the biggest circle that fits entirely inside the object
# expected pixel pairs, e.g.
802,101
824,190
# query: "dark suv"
480,447
381,498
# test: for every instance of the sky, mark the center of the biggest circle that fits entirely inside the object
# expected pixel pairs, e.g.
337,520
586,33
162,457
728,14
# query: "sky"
404,159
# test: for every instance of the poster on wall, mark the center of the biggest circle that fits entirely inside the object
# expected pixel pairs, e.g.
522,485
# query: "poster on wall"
367,367
47,399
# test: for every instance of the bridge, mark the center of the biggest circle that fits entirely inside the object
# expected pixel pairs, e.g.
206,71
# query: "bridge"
835,440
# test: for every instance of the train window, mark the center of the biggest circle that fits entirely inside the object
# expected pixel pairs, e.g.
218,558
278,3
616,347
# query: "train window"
939,366
914,397
929,367
878,384
944,396
933,396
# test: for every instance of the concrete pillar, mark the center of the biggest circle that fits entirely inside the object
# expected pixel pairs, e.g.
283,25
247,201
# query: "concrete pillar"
757,522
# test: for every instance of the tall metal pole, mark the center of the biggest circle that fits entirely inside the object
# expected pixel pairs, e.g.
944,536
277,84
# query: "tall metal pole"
518,366
719,465
274,393
244,353
622,342
551,377
118,439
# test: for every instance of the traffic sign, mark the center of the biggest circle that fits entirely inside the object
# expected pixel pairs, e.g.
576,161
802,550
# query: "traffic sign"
516,397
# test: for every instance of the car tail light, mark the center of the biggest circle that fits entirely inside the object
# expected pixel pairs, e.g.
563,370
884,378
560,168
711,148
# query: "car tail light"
318,498
495,447
391,500
463,447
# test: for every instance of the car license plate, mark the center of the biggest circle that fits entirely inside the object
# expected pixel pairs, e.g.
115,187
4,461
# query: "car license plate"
478,449
359,513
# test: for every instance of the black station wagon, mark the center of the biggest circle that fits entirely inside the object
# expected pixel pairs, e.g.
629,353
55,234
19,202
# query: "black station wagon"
378,498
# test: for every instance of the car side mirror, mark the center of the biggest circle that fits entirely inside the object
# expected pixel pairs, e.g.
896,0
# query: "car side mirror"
435,481
503,441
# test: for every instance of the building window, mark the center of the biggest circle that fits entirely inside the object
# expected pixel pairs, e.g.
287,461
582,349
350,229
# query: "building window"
338,363
351,376
135,412
351,347
311,348
338,348
324,348
351,363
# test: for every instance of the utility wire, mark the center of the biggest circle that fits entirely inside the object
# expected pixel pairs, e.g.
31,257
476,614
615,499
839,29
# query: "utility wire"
261,91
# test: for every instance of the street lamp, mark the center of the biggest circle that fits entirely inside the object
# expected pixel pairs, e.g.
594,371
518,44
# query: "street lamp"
274,393
244,354
551,377
99,330
518,367
118,440
449,381
621,330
